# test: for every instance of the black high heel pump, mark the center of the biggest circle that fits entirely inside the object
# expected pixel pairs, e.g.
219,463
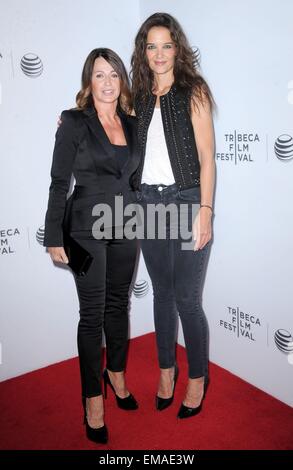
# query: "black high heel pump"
163,403
127,403
98,435
187,411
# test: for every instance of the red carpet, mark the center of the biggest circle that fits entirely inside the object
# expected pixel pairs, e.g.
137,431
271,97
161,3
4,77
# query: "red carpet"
42,410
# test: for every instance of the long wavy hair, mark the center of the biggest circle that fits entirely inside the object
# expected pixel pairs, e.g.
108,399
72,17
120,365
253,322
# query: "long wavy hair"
84,97
186,65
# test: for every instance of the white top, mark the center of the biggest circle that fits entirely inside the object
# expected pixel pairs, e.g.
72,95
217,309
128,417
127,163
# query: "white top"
157,167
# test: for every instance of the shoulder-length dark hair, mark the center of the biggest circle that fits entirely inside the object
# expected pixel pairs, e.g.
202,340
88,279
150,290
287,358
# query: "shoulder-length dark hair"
186,64
84,97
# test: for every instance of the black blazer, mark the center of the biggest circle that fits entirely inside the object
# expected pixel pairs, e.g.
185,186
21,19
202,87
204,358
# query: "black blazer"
82,149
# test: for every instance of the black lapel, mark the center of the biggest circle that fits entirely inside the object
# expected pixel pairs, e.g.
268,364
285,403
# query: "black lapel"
97,128
129,130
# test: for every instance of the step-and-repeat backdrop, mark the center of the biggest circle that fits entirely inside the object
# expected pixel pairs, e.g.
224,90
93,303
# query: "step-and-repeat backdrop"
245,50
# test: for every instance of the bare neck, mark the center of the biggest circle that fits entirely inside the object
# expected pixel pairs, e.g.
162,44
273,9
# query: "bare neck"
106,111
163,83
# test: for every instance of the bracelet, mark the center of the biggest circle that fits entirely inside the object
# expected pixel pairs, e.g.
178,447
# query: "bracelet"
206,205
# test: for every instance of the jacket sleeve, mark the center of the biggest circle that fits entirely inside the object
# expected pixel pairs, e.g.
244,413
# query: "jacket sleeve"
66,145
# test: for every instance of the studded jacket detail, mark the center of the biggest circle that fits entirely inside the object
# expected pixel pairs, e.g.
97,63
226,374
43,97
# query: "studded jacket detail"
179,134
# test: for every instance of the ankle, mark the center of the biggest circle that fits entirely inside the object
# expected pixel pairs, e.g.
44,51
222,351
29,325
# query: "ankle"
168,373
94,408
166,383
116,377
194,392
117,380
196,384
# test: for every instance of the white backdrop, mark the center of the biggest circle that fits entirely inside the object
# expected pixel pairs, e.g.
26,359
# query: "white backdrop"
246,54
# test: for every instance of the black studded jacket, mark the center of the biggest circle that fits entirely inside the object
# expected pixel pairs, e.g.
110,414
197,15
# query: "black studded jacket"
179,134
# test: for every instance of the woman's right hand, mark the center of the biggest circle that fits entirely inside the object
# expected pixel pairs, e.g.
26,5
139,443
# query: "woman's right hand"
58,254
59,122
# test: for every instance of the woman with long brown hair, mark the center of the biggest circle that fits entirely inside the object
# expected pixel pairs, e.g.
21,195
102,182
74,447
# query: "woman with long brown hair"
174,104
97,144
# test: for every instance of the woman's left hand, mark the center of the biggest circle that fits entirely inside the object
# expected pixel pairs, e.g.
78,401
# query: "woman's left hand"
202,228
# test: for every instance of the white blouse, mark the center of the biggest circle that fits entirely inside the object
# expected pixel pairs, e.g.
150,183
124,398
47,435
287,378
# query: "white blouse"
157,167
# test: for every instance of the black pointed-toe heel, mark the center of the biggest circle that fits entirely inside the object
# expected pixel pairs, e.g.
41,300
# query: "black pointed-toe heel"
187,411
163,403
128,403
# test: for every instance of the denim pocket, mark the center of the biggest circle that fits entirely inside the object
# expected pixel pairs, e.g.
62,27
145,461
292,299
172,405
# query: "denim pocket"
189,195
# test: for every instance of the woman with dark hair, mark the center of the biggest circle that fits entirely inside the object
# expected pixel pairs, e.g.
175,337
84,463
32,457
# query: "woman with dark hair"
174,104
97,144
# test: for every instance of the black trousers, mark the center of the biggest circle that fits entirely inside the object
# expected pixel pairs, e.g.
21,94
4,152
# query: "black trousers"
103,297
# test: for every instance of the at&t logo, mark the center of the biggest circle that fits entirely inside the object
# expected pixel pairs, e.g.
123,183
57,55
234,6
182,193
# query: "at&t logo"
284,147
284,342
31,65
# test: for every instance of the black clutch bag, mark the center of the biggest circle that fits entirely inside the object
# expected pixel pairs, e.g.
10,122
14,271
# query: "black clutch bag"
79,258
